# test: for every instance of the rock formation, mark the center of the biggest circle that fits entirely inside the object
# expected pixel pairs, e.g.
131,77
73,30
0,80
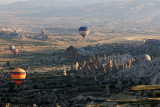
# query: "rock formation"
41,36
13,34
71,54
144,71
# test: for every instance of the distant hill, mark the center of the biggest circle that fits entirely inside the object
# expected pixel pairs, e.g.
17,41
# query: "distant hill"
54,3
110,9
117,11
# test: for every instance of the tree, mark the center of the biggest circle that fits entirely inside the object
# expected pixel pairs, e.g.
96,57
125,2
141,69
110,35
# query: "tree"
4,65
8,63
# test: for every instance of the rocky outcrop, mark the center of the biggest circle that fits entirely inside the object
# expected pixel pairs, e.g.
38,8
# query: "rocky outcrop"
120,59
41,36
104,66
14,35
144,72
71,54
50,98
152,42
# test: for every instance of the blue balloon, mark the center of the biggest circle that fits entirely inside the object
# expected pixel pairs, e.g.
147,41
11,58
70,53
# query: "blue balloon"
84,31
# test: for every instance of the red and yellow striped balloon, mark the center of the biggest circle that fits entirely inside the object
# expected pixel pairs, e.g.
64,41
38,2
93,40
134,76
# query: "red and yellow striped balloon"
18,75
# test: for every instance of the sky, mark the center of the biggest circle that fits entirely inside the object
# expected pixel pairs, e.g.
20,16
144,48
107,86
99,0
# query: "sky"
9,1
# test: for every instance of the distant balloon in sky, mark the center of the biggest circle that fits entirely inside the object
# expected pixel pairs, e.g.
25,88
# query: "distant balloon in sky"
84,31
15,51
18,75
11,47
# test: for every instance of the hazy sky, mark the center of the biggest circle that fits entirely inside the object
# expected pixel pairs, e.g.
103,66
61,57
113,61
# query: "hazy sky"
9,1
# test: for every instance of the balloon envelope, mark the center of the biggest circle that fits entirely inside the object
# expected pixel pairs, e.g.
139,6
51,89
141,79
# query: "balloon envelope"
18,75
11,47
84,31
15,51
144,57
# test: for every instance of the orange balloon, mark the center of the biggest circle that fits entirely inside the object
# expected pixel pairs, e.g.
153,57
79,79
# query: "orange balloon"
15,51
18,75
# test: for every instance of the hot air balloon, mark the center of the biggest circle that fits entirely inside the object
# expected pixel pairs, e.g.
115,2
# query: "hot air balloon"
84,31
145,57
18,75
11,47
15,51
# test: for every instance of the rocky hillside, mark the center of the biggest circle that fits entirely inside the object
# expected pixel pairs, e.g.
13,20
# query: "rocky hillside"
120,59
71,54
14,35
147,72
41,36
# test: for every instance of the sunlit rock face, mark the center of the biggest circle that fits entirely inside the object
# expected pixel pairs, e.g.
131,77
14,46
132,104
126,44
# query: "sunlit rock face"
120,59
145,71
